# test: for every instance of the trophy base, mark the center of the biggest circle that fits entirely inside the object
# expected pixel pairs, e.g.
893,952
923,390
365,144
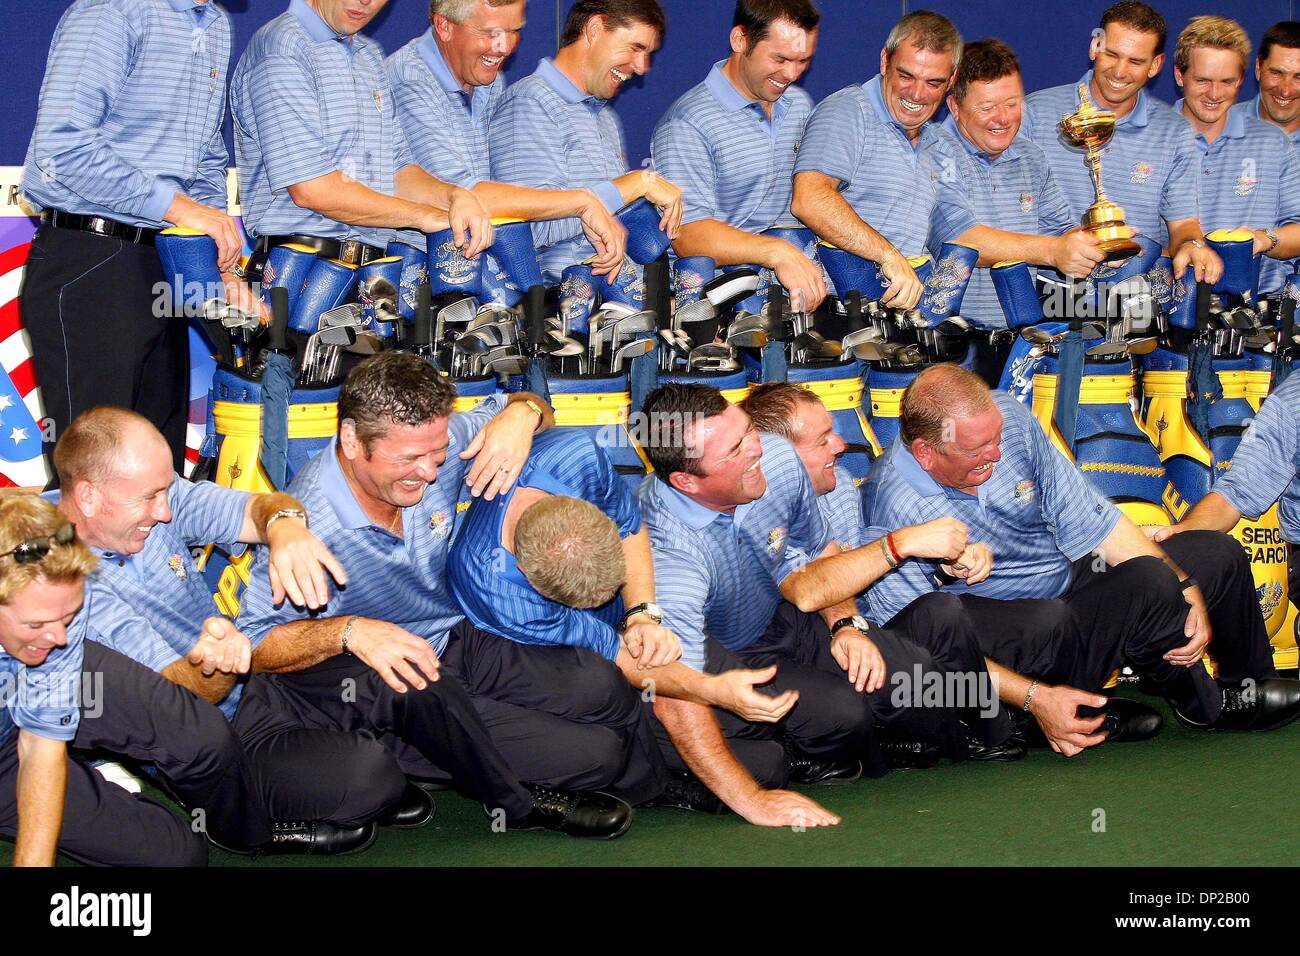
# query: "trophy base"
1105,222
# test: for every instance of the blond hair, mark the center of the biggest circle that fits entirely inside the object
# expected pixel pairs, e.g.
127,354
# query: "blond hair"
1218,33
23,517
570,552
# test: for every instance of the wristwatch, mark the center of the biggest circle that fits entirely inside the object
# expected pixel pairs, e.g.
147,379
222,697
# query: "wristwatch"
1271,236
857,622
649,609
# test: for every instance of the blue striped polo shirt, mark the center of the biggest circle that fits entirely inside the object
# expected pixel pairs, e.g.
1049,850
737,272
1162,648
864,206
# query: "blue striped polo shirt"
1250,176
718,574
891,185
733,164
1251,107
131,109
151,605
1148,168
308,102
400,579
1015,192
492,591
44,700
1036,511
842,509
548,134
1266,466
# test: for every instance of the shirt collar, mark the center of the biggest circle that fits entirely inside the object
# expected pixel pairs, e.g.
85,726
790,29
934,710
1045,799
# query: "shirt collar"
876,95
338,493
1235,128
691,513
950,124
317,29
1138,116
732,100
910,469
437,63
205,12
557,81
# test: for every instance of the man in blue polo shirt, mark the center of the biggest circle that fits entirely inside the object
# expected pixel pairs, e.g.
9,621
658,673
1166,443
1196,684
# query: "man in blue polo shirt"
1076,589
1251,172
1149,167
127,141
152,605
863,180
321,155
730,144
451,699
740,552
1277,68
49,799
562,558
447,84
556,128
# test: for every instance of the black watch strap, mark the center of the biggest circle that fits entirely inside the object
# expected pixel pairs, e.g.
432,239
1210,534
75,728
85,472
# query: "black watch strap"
1188,583
843,623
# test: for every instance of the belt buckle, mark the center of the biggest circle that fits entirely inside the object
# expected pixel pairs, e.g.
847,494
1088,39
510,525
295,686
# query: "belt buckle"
351,251
99,225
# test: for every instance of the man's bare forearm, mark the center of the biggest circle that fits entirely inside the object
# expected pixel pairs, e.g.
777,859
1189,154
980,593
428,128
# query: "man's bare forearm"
703,748
675,680
1212,513
213,689
41,787
345,200
835,578
998,245
726,245
819,205
259,511
414,183
298,645
508,201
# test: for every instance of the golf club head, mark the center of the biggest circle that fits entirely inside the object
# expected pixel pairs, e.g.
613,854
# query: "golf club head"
460,312
630,351
861,336
349,314
366,342
747,338
508,366
1036,336
726,290
337,336
701,310
1107,350
1142,346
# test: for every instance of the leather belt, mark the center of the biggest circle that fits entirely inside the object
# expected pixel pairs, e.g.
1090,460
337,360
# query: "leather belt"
352,251
99,226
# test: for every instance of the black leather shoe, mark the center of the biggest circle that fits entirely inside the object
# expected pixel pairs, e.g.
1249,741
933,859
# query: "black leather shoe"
812,771
414,810
1128,721
1008,751
316,838
686,792
1259,705
595,815
902,754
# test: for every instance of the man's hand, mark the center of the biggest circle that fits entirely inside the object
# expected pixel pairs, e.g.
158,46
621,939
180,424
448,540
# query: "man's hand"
298,563
395,654
905,287
240,294
221,647
801,278
734,691
1262,242
187,213
1159,532
1055,709
651,644
1077,253
668,198
784,808
607,236
471,225
1208,266
500,450
860,658
973,565
943,539
1197,630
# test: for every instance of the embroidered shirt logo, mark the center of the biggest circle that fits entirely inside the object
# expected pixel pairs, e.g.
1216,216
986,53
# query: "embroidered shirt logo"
440,525
1142,172
1245,185
1026,202
776,540
177,565
1270,596
1024,491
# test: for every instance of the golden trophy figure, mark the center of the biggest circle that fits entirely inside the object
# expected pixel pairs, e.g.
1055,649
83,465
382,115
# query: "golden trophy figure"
1091,129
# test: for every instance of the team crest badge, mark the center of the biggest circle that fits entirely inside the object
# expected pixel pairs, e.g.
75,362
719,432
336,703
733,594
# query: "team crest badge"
440,525
1026,202
946,282
177,565
1024,491
776,540
1245,185
379,99
1142,172
1270,596
454,268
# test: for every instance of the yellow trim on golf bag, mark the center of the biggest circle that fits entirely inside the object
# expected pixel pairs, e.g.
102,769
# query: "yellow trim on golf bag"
845,395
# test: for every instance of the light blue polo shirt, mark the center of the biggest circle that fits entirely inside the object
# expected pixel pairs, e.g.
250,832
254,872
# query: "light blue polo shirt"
308,102
1015,192
400,579
1148,168
546,133
1036,511
131,109
1266,466
842,509
718,574
1251,107
733,164
891,185
495,595
45,700
1250,176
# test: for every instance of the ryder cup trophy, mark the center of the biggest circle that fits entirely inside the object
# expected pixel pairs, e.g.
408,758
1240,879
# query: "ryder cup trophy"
1091,129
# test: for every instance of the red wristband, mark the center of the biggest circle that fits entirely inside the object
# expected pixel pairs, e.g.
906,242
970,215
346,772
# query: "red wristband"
889,543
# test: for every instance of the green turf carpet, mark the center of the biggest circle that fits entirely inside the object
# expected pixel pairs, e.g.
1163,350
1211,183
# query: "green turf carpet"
1184,799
